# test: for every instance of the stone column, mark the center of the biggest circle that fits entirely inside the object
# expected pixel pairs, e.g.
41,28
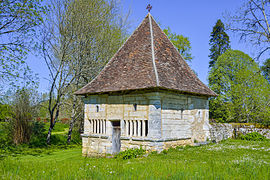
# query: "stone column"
143,128
105,126
94,126
103,122
126,127
139,128
91,126
102,126
98,126
131,128
135,128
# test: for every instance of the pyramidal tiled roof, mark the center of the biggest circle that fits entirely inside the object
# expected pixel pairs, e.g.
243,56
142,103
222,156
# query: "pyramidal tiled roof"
147,60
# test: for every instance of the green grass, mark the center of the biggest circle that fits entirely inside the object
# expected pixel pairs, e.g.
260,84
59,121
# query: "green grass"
232,159
59,128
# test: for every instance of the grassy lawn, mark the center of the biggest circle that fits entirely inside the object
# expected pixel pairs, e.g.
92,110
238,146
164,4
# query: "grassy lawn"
59,128
232,159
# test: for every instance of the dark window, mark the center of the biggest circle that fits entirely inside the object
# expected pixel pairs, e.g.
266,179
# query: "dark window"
116,123
182,110
146,128
135,107
128,123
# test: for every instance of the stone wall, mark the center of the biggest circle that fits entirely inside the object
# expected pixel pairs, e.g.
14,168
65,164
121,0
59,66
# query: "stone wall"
221,131
94,145
170,119
244,129
185,116
199,114
175,116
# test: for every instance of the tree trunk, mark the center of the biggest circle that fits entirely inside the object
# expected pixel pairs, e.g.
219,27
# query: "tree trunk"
52,123
49,135
71,125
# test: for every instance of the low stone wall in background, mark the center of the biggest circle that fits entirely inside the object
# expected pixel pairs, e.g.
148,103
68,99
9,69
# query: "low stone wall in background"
222,131
244,129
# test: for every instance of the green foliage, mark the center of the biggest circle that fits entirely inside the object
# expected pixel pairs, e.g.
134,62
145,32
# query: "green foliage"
38,136
21,120
254,136
219,42
181,43
43,106
78,39
18,21
5,139
266,69
59,127
76,136
37,139
5,112
244,94
130,153
58,139
164,151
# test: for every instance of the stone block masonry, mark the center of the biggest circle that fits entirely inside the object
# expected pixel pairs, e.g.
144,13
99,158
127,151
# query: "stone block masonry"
222,131
153,121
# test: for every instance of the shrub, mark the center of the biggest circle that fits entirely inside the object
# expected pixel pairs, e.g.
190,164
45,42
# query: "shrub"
38,137
58,139
254,136
164,151
5,139
21,125
76,136
130,153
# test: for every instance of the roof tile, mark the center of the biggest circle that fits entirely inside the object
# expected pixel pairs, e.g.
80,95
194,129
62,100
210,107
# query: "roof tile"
132,68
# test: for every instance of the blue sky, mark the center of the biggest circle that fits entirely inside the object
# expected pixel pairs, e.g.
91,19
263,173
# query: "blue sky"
193,19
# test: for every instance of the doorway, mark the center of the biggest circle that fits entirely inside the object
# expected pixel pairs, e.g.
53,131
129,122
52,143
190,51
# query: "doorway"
116,133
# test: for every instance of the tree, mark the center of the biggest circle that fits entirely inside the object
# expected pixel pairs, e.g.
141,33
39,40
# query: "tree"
92,52
5,112
244,94
219,42
251,22
18,19
181,43
265,68
23,108
55,45
78,39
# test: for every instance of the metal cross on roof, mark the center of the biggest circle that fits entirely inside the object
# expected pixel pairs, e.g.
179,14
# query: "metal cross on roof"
149,7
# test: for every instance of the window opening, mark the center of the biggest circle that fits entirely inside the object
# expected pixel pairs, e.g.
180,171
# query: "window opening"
135,107
146,128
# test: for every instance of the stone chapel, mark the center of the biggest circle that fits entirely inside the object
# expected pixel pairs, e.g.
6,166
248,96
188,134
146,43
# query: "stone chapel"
146,96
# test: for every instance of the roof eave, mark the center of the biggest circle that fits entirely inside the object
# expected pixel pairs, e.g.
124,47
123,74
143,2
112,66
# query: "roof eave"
150,89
